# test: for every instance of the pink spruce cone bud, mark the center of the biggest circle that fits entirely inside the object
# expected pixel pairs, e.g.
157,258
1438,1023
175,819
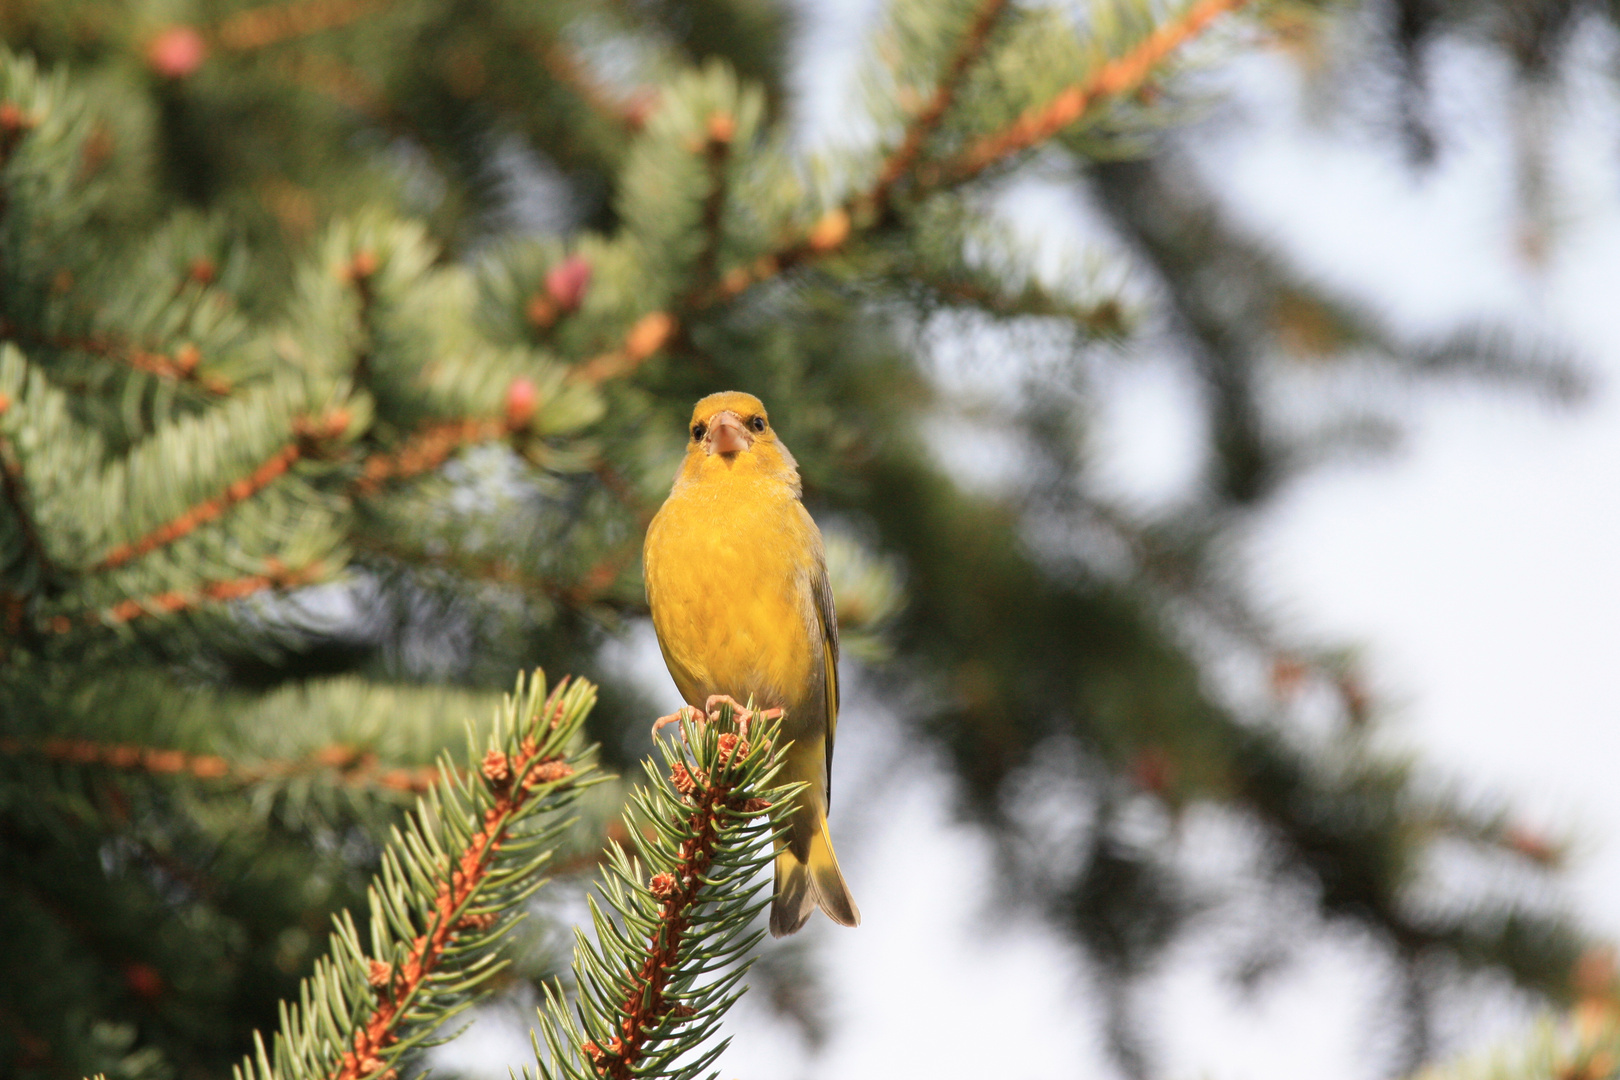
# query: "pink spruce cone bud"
176,52
567,281
522,399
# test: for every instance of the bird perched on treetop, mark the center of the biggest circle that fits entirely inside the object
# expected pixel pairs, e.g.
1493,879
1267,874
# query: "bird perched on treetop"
737,582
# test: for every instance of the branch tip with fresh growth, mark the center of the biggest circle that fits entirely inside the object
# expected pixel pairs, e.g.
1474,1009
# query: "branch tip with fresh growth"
677,946
472,851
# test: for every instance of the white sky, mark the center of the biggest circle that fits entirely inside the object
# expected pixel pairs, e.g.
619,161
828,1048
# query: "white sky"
1477,569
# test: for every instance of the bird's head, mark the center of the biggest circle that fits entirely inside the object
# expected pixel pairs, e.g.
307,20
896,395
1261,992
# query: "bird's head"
731,436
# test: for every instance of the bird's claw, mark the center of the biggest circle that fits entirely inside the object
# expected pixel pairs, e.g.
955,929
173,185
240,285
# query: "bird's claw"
740,715
685,712
710,713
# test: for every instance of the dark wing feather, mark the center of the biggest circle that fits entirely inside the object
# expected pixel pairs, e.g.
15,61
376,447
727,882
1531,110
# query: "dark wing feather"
828,616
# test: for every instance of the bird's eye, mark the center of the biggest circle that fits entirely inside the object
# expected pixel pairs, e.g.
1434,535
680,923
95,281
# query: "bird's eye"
757,423
698,431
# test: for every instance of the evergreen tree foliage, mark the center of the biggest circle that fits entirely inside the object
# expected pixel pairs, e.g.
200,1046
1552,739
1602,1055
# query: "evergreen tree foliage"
348,347
450,884
1580,1044
669,957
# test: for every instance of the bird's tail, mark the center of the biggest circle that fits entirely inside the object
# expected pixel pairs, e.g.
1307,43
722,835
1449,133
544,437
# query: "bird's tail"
804,885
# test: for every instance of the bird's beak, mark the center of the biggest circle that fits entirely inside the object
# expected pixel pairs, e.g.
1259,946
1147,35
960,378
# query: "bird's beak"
727,434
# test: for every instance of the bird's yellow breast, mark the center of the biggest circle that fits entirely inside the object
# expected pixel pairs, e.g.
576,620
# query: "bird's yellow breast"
728,564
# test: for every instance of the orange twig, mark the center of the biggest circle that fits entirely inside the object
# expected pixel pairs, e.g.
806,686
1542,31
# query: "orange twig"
398,985
621,489
177,600
239,491
716,152
645,1005
427,450
561,65
497,570
650,333
601,576
837,225
588,590
1117,76
1105,317
273,24
351,766
324,74
183,366
928,119
654,330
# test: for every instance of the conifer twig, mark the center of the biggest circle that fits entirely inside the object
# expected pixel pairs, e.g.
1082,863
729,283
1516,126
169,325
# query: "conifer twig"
646,1003
566,70
870,209
1117,76
648,335
722,128
272,24
451,883
307,431
1105,316
928,119
588,590
174,601
183,366
427,450
350,766
358,273
668,962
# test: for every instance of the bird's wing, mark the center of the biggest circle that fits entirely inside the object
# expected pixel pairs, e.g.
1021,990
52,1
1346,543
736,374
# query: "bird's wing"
828,617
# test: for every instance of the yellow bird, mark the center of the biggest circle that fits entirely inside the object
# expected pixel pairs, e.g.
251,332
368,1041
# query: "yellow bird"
737,582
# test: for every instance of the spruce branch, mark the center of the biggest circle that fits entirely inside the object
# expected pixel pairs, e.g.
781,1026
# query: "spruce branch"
308,432
451,882
1118,76
428,449
566,70
722,128
656,329
182,366
646,337
174,601
324,74
344,764
669,959
272,24
588,590
358,273
1105,317
872,209
928,118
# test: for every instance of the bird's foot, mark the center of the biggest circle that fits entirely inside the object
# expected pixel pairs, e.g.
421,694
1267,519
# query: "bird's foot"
685,712
740,715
